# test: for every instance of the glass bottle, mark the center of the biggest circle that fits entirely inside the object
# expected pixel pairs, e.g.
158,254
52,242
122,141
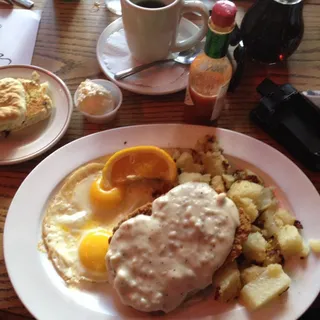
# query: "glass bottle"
211,71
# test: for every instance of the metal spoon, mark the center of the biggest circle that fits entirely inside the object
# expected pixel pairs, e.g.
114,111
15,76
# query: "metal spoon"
184,57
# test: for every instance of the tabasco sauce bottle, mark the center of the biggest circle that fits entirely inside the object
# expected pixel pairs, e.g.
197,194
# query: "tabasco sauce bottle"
211,71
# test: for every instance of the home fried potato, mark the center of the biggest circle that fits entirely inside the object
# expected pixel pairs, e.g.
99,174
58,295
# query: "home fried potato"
268,234
226,282
290,241
255,247
315,245
262,197
268,285
217,184
251,273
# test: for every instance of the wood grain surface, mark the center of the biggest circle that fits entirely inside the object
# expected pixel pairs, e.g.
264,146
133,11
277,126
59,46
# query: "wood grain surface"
66,45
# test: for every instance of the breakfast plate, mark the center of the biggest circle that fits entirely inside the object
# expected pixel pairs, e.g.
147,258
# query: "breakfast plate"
32,274
34,140
113,55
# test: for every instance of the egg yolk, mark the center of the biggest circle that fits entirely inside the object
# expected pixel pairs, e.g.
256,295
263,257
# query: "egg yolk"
102,199
93,249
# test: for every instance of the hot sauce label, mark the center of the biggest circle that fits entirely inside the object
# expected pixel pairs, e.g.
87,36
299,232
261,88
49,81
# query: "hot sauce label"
219,103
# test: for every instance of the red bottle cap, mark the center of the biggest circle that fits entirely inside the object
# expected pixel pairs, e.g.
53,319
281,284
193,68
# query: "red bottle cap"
223,13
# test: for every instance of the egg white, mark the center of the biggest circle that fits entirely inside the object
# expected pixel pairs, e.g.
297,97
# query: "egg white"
70,217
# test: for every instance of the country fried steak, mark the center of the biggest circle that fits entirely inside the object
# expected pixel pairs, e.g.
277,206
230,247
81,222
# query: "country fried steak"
153,253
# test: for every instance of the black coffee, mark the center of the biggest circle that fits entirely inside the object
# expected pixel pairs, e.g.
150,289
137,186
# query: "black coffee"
150,4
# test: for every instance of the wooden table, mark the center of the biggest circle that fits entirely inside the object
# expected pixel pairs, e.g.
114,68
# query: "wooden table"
66,45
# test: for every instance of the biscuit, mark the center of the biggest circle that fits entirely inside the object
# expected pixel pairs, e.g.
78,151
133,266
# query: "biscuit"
12,104
39,104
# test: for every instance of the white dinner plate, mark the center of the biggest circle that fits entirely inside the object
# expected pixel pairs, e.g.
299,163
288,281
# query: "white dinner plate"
155,81
32,141
34,277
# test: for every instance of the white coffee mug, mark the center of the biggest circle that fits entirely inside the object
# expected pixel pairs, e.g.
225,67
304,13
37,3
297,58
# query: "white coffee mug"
151,32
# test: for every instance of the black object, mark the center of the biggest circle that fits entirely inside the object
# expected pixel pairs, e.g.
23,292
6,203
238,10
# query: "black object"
291,119
272,30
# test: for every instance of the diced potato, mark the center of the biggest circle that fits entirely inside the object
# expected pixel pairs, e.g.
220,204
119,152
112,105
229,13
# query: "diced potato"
245,189
193,177
251,176
264,233
186,163
290,241
273,254
207,143
176,154
270,223
184,158
254,248
228,179
248,207
247,174
255,228
305,250
226,282
251,273
266,199
315,245
269,285
285,216
218,184
214,163
261,197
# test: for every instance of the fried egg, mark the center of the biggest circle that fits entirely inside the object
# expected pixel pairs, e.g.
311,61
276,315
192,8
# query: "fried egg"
76,229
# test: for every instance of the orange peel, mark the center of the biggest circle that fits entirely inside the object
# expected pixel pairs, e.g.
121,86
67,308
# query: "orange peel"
141,162
148,162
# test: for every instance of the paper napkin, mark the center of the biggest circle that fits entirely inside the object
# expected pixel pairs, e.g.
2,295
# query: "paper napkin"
18,33
117,57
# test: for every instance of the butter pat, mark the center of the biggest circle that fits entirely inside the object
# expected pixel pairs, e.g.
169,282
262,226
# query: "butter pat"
94,99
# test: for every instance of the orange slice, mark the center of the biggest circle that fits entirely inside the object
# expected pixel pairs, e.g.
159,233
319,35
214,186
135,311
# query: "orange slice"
138,162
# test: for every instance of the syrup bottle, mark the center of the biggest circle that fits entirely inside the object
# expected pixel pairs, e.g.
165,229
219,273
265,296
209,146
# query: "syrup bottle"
272,29
211,71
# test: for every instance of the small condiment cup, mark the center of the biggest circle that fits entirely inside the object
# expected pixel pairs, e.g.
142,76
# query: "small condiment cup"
116,97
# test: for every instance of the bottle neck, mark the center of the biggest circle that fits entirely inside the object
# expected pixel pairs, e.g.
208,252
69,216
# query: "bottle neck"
217,42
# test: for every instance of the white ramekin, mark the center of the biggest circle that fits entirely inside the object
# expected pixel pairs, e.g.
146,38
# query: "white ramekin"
116,96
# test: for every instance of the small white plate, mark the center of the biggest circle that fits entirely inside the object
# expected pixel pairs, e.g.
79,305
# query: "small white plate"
33,275
169,83
32,141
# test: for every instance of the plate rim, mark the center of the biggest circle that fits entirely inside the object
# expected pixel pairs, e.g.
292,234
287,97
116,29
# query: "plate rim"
65,125
131,87
216,131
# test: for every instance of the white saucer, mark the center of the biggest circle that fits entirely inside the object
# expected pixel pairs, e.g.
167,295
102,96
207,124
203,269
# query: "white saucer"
32,141
163,79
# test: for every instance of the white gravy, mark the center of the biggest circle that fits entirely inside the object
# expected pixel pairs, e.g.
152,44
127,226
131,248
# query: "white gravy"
155,261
